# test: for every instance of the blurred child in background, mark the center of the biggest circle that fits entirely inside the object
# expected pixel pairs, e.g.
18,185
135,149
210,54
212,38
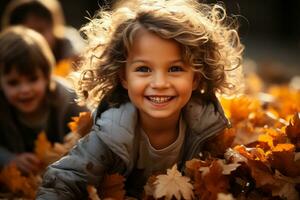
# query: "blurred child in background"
31,100
46,17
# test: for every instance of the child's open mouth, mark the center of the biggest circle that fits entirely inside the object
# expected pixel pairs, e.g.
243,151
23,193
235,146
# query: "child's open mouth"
160,99
26,100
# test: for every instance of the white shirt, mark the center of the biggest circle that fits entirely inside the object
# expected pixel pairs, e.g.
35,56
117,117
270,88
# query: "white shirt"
156,160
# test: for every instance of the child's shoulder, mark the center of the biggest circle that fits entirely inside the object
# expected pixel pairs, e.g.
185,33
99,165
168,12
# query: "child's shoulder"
123,114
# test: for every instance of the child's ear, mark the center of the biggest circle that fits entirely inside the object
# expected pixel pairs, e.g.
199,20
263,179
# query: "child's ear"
196,82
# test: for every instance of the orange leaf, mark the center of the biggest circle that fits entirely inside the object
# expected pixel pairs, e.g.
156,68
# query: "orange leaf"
45,150
239,108
12,178
63,68
287,100
42,146
81,124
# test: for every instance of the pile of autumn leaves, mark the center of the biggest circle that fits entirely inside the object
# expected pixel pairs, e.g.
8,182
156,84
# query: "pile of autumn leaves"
258,158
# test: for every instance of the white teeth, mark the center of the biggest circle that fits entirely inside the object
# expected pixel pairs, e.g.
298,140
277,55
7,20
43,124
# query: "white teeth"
159,99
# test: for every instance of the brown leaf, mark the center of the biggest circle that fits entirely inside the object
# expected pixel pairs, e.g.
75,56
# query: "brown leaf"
218,145
283,159
211,181
113,187
293,130
18,184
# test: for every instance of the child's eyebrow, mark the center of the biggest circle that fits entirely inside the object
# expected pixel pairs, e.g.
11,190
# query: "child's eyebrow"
146,61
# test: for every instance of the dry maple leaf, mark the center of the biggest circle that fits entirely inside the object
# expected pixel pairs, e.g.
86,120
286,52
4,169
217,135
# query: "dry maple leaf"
228,167
252,153
239,108
261,173
266,138
218,145
282,158
285,186
18,184
234,156
45,151
222,196
173,184
192,167
212,181
92,191
286,100
293,130
81,124
42,145
149,187
245,134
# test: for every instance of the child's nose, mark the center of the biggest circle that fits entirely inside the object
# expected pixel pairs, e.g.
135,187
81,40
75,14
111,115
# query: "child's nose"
160,80
24,88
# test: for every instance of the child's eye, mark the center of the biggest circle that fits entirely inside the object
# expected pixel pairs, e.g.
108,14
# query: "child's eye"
33,78
13,82
175,69
143,69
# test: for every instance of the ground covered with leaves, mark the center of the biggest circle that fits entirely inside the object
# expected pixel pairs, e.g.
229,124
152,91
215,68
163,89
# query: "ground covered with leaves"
258,158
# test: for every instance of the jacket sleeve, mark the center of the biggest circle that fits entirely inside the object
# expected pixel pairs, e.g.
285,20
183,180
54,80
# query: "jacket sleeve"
85,165
5,156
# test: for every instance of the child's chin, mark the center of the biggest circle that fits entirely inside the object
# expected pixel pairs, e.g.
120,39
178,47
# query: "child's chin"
27,109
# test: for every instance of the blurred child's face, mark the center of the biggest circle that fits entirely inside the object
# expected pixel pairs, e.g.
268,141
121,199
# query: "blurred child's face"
24,92
159,83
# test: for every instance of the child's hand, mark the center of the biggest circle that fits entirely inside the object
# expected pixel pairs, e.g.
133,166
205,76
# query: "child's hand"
28,163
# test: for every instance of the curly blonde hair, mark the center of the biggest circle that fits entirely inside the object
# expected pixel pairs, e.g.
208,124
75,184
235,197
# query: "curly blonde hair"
207,36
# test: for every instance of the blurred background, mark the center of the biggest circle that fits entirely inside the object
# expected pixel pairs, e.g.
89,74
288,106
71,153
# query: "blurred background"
269,29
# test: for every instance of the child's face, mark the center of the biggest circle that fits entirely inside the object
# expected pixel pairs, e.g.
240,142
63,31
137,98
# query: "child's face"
24,92
159,83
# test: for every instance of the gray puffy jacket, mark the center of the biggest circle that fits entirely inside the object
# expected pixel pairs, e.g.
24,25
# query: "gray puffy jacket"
111,147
